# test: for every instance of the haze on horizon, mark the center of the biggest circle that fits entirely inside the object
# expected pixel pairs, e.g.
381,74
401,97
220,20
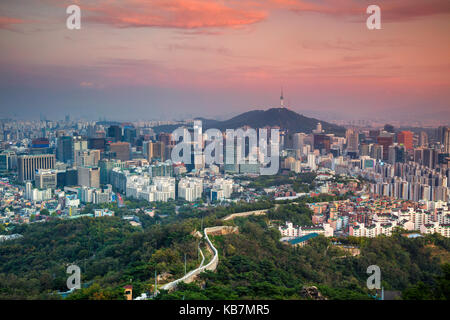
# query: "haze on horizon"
175,59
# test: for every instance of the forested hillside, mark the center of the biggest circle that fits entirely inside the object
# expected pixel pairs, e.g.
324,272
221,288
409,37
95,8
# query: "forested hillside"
252,264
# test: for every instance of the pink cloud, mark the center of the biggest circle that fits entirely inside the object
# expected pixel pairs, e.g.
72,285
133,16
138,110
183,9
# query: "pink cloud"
7,22
198,15
186,14
397,10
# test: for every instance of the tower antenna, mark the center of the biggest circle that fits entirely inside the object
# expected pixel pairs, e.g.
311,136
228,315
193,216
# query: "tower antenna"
282,98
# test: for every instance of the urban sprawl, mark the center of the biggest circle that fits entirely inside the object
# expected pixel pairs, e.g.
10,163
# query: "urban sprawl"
392,178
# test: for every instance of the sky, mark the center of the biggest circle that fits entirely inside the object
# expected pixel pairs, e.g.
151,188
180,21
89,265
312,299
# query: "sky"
175,59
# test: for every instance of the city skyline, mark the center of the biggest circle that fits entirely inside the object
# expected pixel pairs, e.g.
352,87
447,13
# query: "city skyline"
178,59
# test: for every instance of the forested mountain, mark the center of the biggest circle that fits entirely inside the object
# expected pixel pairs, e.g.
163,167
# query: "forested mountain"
281,117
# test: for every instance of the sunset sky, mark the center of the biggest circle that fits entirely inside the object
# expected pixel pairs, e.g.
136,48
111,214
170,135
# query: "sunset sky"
151,59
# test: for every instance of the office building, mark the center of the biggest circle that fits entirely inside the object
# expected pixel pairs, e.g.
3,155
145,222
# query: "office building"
352,137
97,144
322,142
65,149
28,164
405,138
8,161
45,178
87,158
423,139
154,150
115,133
120,150
385,139
89,177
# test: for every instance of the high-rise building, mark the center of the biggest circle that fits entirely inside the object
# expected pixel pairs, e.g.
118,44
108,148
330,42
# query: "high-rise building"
68,177
154,150
8,161
65,149
28,164
418,155
120,150
430,157
352,137
385,139
423,139
115,132
87,158
447,140
129,134
106,167
97,143
397,153
364,149
158,151
198,145
373,134
298,141
79,144
405,138
441,134
190,189
311,161
377,152
221,189
28,190
166,138
322,142
162,169
89,177
45,178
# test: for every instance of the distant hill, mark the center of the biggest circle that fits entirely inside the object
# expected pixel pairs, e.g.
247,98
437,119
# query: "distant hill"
282,117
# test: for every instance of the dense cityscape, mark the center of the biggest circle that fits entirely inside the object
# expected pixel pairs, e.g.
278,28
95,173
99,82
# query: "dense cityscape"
216,159
364,183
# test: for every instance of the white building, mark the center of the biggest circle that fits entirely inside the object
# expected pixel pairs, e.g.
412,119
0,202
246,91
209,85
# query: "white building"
225,185
190,189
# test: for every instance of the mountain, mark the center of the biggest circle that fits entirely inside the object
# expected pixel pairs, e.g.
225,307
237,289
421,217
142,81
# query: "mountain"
282,117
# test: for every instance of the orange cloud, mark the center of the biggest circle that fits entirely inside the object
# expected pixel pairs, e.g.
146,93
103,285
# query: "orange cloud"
188,14
202,14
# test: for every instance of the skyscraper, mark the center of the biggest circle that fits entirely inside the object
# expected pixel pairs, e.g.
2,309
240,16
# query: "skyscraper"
447,140
385,139
322,142
89,177
166,138
129,134
423,139
352,140
64,149
115,132
441,134
154,150
405,138
87,158
79,144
